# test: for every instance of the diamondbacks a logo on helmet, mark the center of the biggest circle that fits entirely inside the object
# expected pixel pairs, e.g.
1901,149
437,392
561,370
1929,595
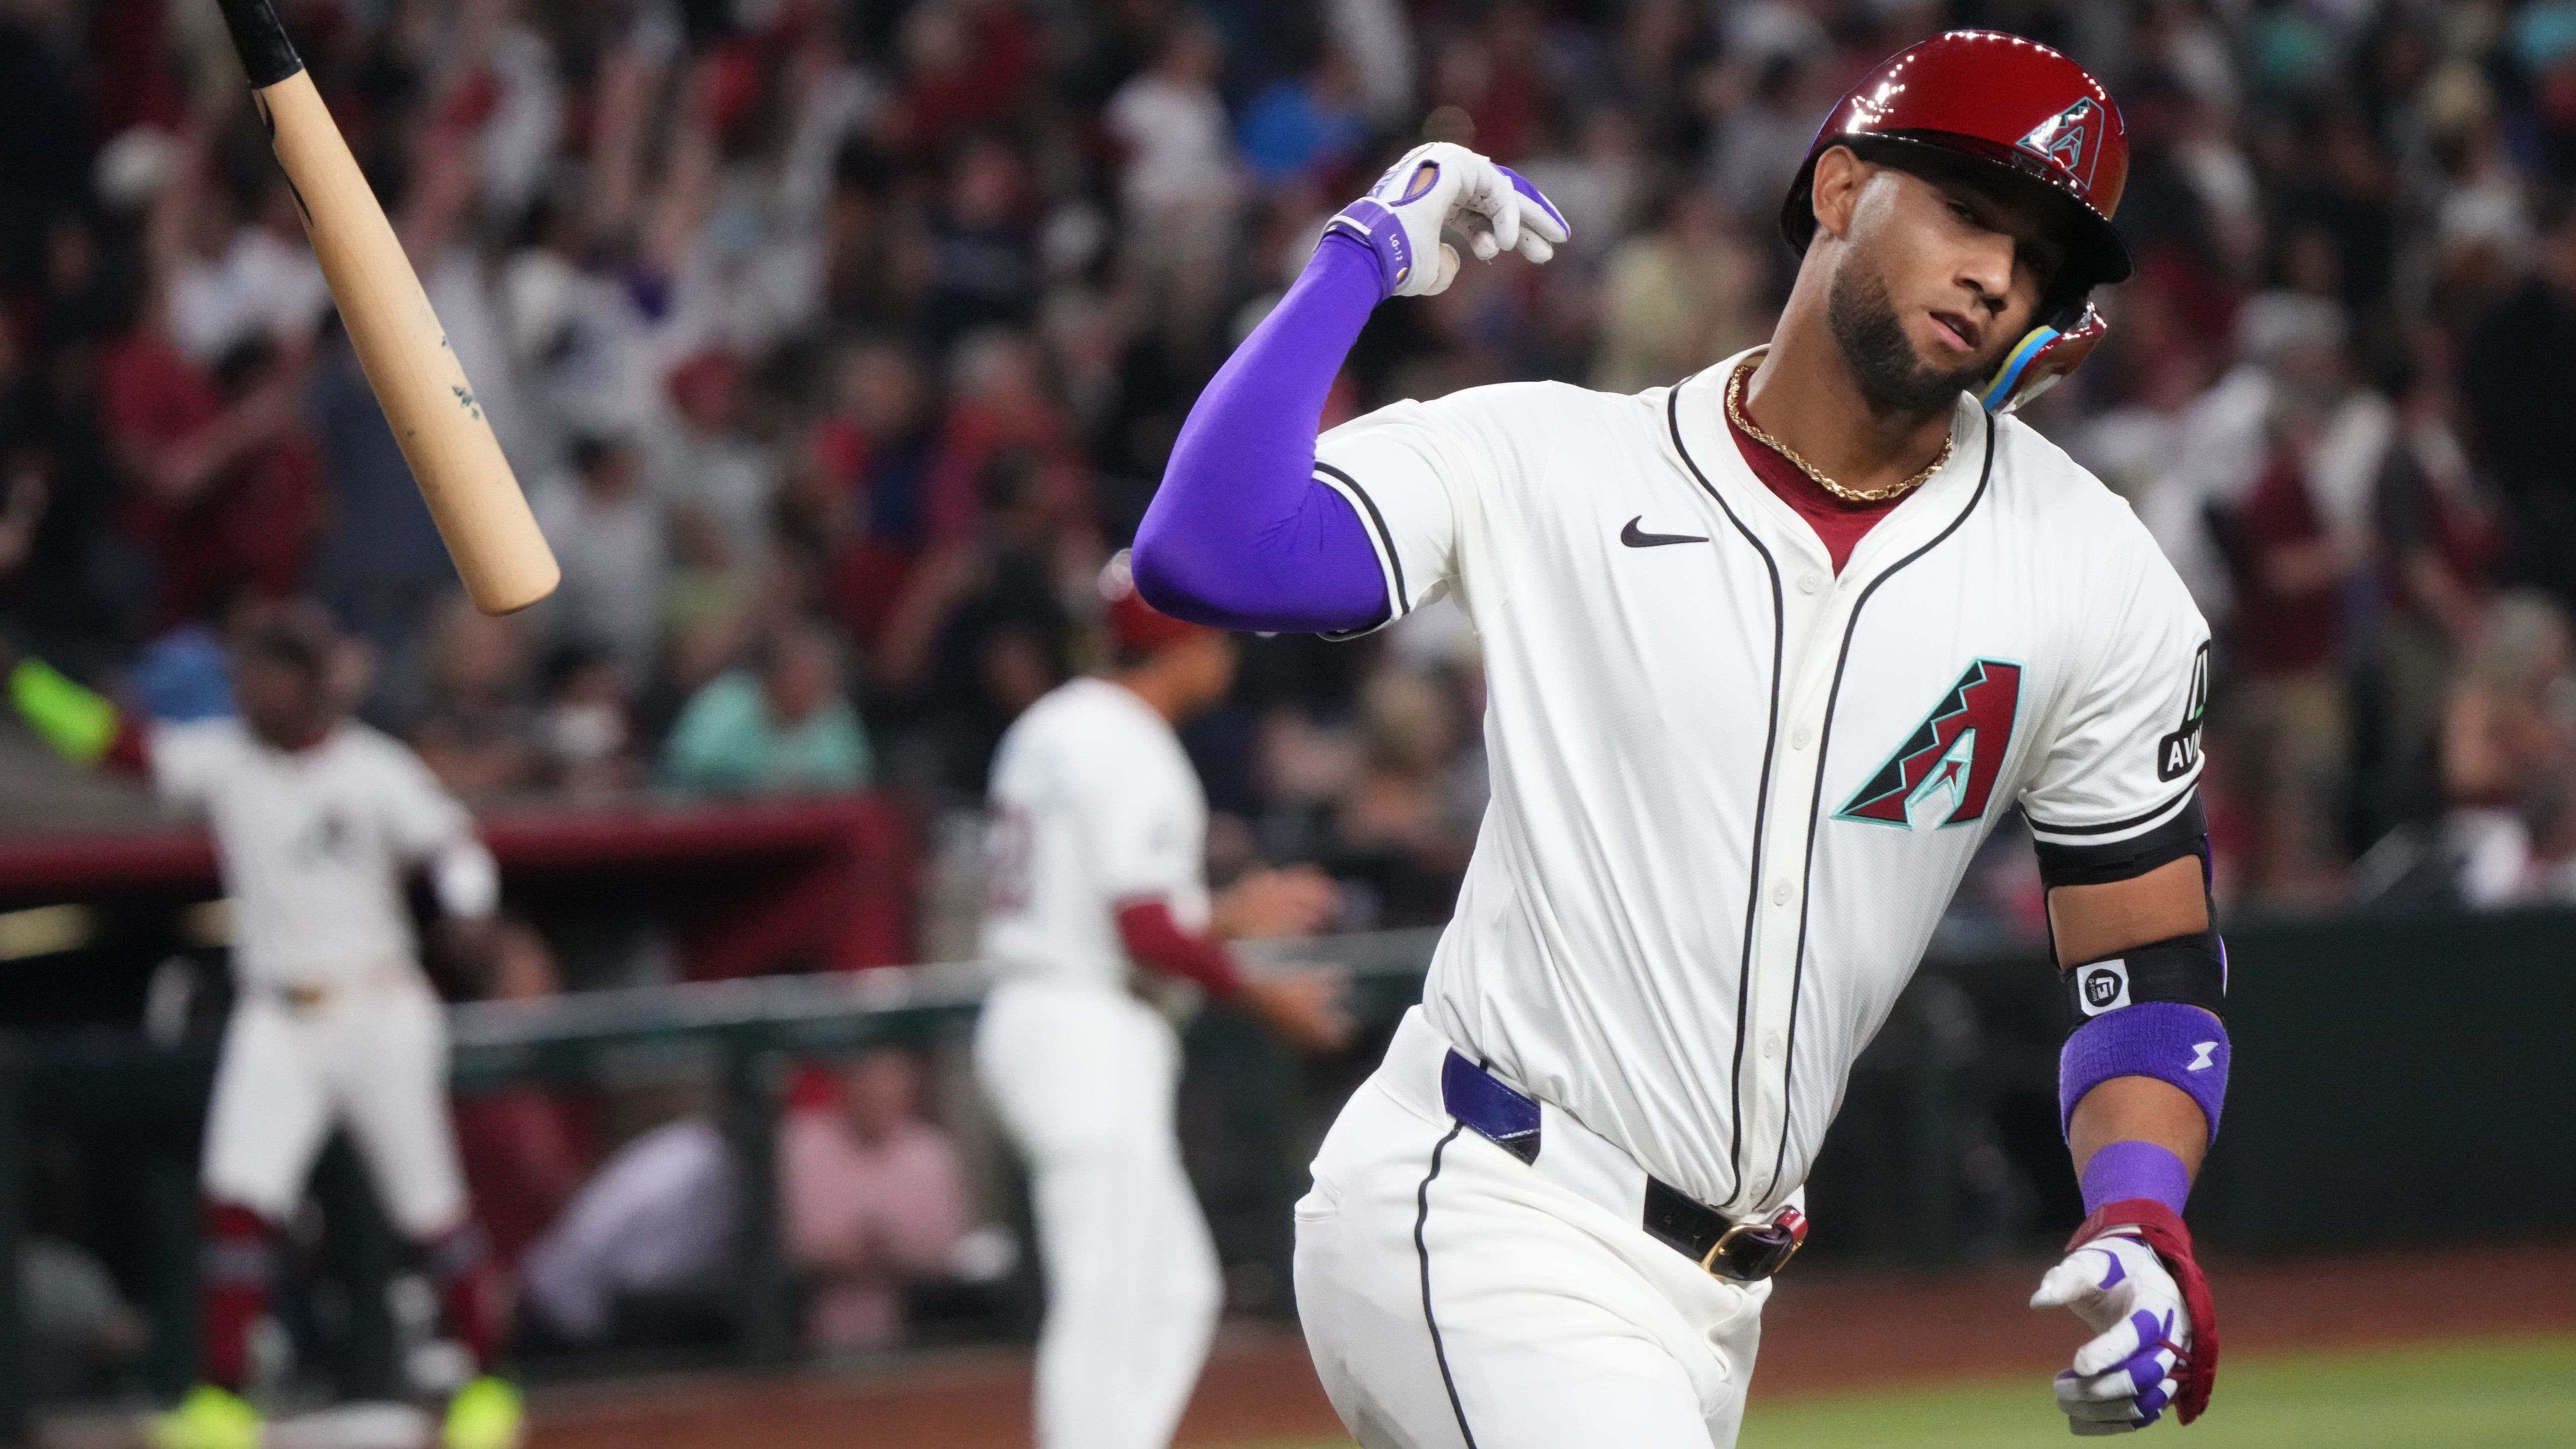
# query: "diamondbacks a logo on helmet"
1946,769
2072,139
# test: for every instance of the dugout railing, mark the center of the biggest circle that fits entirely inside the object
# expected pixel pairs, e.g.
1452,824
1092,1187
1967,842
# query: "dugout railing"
2393,1077
743,1033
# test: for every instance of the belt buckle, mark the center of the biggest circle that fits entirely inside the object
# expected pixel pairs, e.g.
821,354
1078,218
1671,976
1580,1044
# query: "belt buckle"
305,998
1752,1252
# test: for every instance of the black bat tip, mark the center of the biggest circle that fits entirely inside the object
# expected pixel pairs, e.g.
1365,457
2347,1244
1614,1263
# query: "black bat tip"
267,56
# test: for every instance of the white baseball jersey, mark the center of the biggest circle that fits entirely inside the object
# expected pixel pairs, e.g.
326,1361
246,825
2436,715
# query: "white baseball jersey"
1094,805
1733,792
314,845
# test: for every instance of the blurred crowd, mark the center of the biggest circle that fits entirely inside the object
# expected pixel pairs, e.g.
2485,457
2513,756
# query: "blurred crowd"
838,343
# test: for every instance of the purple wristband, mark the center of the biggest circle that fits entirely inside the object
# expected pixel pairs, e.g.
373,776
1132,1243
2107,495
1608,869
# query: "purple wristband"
2124,1170
1369,222
2181,1045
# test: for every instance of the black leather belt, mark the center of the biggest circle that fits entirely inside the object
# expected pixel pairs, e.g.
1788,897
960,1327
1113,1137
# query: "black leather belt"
1740,1252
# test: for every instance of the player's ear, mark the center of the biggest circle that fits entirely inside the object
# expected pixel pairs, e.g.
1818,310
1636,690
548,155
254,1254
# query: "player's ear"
1835,191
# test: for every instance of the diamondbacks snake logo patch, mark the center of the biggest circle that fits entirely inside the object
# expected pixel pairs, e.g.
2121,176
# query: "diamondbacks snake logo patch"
1946,769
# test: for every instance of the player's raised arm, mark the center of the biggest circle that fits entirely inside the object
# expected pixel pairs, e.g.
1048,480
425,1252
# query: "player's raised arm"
81,724
281,667
1242,535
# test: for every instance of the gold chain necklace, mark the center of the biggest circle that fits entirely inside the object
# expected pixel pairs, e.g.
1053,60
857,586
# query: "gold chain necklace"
1735,415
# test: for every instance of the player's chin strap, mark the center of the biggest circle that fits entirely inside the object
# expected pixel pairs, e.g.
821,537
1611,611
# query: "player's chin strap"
2161,1229
2041,358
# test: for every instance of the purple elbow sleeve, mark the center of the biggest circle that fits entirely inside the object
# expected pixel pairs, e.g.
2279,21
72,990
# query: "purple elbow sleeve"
1241,535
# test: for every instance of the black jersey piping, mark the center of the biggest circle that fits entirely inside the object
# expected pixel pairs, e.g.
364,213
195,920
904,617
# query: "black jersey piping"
1761,798
1385,538
1815,806
2095,862
1422,1250
2115,826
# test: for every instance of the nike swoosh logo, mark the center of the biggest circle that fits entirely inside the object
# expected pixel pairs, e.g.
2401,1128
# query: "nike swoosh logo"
1635,537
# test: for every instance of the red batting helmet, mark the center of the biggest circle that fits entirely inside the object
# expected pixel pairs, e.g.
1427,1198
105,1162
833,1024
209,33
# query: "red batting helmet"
1999,99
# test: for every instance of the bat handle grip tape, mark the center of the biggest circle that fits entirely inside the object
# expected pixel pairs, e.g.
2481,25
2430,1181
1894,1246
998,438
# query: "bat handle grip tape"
267,56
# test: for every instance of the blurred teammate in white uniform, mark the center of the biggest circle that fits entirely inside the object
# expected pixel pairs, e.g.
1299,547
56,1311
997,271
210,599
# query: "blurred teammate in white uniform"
1097,859
319,822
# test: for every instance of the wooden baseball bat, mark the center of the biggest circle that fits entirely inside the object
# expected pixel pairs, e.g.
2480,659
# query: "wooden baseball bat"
431,406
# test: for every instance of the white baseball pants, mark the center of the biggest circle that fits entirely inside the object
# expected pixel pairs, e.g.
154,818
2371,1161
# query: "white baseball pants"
371,1054
1455,1297
1083,1079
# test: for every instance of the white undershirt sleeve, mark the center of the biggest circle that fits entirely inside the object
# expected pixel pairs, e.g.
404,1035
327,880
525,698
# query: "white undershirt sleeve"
187,758
427,825
466,880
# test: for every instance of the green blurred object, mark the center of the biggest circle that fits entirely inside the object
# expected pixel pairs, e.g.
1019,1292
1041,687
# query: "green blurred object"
485,1414
2465,1394
79,722
209,1418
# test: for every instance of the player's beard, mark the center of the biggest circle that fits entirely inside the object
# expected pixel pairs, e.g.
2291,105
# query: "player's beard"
1891,374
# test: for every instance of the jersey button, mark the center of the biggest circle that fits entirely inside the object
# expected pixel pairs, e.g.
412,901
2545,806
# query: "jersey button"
1771,1045
1801,737
1809,583
1779,893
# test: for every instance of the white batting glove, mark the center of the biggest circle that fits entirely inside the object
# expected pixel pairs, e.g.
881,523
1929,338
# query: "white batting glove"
2125,1377
1401,217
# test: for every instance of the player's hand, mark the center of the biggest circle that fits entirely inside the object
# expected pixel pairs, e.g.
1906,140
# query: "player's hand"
1304,1004
469,946
1266,904
1433,185
2125,1377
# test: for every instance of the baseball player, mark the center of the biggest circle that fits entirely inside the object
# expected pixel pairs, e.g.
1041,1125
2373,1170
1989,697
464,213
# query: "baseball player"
1769,652
318,822
1098,839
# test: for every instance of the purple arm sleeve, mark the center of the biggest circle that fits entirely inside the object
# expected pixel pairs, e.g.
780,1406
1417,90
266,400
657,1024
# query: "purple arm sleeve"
2124,1170
1241,535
